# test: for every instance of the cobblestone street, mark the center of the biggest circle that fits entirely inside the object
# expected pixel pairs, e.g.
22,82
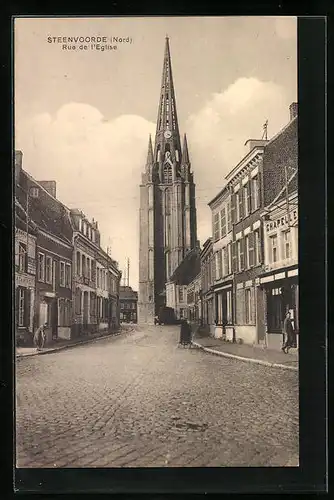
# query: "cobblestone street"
139,400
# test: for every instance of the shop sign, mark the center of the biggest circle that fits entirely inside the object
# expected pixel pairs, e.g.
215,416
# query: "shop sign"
282,221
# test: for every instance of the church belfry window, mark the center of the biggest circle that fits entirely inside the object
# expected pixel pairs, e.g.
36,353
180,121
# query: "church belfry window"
168,174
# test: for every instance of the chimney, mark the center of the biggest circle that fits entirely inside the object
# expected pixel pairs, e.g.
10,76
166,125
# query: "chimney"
17,165
293,110
50,187
255,143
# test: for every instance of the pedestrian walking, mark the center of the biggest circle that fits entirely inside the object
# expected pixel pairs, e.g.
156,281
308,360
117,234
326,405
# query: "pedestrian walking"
40,337
289,334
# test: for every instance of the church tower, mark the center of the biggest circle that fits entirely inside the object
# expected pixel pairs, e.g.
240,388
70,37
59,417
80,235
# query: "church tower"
167,203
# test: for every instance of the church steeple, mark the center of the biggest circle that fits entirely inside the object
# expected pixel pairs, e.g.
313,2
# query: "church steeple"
167,137
149,161
185,153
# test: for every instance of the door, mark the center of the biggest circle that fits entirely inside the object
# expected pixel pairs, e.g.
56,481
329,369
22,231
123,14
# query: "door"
45,317
260,314
54,318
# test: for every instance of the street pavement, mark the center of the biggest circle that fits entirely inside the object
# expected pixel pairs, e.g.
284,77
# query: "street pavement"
139,400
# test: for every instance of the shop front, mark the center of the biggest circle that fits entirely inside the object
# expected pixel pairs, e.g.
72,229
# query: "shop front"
223,299
281,291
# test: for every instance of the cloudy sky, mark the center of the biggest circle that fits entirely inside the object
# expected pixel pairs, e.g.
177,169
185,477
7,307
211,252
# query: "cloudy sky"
82,117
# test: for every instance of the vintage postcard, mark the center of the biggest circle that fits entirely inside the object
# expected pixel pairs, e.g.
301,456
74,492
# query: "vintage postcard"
156,242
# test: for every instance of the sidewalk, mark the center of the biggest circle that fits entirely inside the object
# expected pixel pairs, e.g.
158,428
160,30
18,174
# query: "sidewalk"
58,345
244,352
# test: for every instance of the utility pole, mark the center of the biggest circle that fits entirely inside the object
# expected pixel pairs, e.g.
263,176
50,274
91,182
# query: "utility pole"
265,131
128,273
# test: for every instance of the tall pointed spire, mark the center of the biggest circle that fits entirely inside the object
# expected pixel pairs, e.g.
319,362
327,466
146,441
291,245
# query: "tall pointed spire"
185,153
167,131
149,160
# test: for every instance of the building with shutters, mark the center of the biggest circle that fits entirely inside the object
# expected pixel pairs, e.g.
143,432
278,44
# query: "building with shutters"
222,279
279,280
167,203
96,279
53,253
207,294
128,299
25,266
278,283
245,183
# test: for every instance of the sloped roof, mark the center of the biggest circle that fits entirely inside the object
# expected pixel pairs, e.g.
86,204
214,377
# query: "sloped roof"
126,292
45,210
188,269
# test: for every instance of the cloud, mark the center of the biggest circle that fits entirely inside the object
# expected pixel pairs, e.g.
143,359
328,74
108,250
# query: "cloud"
97,164
286,27
217,134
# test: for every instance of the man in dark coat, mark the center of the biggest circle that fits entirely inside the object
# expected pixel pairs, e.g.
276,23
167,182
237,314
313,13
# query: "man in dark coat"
289,333
185,333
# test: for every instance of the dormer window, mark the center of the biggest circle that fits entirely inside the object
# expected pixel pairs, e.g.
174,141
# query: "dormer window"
34,192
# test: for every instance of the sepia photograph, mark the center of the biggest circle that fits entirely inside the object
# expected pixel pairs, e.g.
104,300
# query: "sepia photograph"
155,172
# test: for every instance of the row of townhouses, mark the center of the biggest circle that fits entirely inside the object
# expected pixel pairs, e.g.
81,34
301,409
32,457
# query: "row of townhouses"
245,278
63,277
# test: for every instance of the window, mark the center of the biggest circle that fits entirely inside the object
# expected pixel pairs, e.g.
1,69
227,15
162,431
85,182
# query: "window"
255,192
220,263
247,199
247,264
223,223
250,252
229,217
64,312
237,207
83,265
216,226
225,261
21,306
41,267
273,248
78,262
62,274
168,175
181,294
78,301
257,248
34,192
48,270
287,244
92,304
241,204
248,306
229,319
22,257
240,255
68,276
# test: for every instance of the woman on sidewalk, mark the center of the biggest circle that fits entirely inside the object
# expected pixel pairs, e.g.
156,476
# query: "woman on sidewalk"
289,334
39,337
